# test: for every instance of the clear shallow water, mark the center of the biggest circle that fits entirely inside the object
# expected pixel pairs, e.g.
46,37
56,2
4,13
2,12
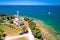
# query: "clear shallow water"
38,12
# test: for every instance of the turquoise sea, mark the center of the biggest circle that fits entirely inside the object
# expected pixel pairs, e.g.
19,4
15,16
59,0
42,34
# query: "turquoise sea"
36,11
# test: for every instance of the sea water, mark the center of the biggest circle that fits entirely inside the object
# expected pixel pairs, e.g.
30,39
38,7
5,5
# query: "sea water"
36,11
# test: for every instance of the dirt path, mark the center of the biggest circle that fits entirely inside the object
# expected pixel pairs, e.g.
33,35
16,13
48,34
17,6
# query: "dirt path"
28,35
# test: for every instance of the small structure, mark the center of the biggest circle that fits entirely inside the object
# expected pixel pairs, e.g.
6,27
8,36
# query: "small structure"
49,13
18,21
25,30
17,14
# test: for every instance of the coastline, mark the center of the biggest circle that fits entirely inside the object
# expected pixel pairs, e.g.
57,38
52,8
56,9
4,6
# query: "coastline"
46,30
48,33
41,22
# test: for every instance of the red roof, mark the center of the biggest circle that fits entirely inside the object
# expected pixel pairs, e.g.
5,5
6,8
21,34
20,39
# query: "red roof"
17,20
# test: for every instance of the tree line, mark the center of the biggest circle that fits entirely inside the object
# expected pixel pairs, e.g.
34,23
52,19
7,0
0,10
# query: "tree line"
36,31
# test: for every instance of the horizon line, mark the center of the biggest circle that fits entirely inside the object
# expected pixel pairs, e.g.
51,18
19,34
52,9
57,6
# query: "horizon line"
25,3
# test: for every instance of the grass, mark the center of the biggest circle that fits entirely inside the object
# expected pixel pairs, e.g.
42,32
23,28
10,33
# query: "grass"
10,30
48,32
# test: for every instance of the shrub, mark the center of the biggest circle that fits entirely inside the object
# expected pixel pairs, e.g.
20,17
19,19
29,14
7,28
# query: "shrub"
11,21
8,18
26,18
36,31
1,33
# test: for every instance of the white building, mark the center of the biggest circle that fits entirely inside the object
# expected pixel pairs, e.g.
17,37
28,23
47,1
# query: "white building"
17,14
18,21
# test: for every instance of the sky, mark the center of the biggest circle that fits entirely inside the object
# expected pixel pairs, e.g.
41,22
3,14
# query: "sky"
29,2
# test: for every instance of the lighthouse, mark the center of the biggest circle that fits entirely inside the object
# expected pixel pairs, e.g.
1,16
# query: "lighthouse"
17,13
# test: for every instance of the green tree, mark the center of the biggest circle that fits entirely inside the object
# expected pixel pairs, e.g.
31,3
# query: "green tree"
36,31
26,18
1,33
7,18
11,21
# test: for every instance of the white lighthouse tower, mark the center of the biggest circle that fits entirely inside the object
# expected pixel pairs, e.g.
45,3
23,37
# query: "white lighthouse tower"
17,13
